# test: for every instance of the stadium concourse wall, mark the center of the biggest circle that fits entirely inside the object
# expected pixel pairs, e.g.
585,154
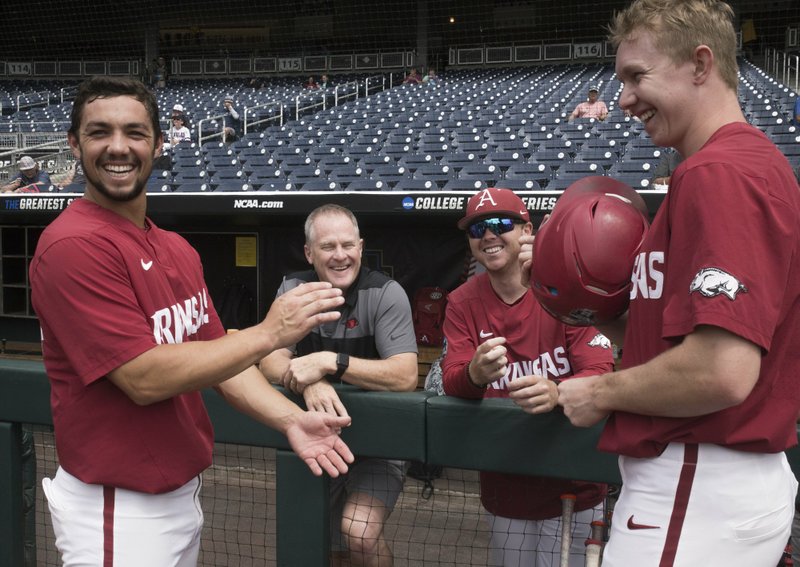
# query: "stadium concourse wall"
254,238
480,435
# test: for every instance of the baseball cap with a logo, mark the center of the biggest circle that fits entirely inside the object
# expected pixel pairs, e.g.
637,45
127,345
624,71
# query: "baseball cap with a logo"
593,88
494,201
25,163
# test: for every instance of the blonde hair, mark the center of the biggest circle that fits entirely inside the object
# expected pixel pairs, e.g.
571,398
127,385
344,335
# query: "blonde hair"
679,26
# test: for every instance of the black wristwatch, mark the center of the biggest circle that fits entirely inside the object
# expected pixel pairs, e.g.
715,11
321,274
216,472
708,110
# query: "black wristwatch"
342,363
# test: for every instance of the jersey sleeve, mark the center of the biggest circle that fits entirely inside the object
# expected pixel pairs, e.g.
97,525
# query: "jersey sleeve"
84,300
589,352
728,265
460,350
394,325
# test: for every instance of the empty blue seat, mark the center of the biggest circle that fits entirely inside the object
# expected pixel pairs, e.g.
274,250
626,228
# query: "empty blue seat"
465,185
321,185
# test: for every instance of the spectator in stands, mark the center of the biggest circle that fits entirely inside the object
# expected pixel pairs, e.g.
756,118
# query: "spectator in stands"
311,83
75,179
796,112
413,77
178,110
372,346
257,83
593,108
324,82
502,344
160,73
231,123
132,432
178,132
30,179
662,172
431,78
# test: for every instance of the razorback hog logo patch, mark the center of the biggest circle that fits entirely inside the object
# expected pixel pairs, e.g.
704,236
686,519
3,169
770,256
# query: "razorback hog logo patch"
600,340
713,281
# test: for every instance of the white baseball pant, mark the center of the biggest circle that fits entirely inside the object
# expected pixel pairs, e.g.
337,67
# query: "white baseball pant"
702,505
100,526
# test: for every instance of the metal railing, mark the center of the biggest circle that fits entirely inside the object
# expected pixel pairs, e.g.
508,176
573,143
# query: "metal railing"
347,90
44,99
51,152
783,66
68,93
217,134
373,83
490,434
321,103
251,110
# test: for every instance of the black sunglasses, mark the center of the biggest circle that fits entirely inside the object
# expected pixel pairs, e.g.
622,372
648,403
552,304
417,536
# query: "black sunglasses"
496,225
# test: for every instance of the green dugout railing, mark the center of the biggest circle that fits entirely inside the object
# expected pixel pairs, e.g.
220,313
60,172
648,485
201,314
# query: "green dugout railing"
485,435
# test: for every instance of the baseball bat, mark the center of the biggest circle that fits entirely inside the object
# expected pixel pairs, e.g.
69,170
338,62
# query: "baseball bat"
593,548
567,507
598,530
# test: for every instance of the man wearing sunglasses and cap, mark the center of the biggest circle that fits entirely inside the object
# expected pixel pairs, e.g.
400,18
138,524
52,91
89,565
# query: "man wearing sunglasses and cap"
502,344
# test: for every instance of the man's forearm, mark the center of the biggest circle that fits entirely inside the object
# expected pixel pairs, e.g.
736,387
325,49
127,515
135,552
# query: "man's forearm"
398,373
709,371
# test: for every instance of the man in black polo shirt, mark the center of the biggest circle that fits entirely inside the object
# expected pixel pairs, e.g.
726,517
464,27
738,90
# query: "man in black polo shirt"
371,346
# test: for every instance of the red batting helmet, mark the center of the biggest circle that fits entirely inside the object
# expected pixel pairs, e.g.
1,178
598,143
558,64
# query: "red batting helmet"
583,255
602,184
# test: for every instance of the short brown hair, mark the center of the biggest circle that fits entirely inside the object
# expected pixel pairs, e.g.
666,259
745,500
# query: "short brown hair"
108,87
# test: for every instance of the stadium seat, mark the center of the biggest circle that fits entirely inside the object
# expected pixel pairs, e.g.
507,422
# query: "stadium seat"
271,184
504,159
321,185
366,185
390,174
437,174
486,172
458,159
192,187
520,184
465,185
347,173
413,161
626,167
541,173
333,161
582,167
415,185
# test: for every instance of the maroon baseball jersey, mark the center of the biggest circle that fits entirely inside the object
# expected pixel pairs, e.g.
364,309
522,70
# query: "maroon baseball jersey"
105,292
537,344
722,251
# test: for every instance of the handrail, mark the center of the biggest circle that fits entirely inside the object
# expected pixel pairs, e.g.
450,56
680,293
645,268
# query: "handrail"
298,108
491,434
220,134
344,86
68,91
32,104
374,79
250,109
